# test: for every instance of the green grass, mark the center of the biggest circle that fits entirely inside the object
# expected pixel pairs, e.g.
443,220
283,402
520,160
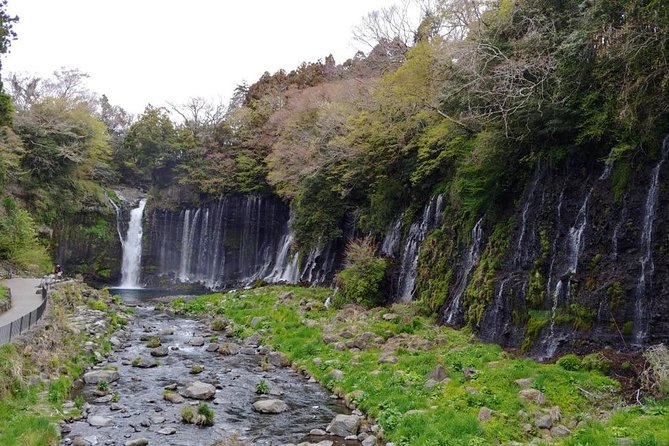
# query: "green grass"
446,413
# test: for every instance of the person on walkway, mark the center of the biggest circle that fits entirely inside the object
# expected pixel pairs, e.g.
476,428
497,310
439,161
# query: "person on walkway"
58,271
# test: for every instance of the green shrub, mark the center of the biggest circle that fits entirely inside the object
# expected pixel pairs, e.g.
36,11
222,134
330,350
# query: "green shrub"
219,324
103,386
153,342
203,416
360,281
570,362
262,387
597,362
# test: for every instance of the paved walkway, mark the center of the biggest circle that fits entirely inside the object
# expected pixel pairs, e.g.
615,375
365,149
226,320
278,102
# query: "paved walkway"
26,296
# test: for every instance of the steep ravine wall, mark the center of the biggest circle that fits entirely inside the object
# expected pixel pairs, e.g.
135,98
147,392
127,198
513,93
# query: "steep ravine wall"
577,264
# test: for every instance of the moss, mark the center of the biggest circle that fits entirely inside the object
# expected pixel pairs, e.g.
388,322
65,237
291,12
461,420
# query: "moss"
621,175
536,322
628,327
481,288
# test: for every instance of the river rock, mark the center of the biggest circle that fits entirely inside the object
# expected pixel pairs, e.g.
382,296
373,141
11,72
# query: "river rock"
159,352
137,442
199,391
101,375
104,399
213,347
173,397
167,431
524,383
229,349
389,316
99,421
317,432
369,441
278,359
270,406
532,396
337,375
144,363
387,358
438,374
344,425
196,341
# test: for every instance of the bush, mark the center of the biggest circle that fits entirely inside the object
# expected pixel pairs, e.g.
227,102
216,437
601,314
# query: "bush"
570,362
597,362
656,372
262,387
203,416
360,282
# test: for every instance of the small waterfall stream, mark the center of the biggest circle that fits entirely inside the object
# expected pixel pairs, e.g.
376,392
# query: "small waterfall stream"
641,319
471,260
432,217
132,249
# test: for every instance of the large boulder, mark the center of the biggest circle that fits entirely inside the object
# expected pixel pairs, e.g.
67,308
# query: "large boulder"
199,391
344,425
101,375
532,396
270,406
99,421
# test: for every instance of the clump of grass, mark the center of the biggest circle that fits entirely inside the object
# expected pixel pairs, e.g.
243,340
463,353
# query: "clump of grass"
103,386
219,324
262,387
153,342
196,368
656,373
203,415
97,304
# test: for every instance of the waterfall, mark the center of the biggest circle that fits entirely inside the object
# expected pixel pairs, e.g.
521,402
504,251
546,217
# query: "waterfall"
391,242
118,218
132,248
641,319
520,254
432,216
471,260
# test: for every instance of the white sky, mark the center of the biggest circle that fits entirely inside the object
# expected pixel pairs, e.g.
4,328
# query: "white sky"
152,51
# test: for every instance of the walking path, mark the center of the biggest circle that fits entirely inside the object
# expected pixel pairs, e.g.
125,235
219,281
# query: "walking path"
26,296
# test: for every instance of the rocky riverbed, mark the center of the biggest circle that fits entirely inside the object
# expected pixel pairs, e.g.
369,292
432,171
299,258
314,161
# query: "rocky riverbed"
161,364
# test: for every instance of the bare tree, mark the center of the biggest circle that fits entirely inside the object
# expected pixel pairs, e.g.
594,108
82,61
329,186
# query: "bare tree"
200,114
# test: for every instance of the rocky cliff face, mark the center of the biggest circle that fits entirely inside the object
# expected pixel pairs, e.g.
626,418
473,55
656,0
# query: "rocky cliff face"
87,243
580,263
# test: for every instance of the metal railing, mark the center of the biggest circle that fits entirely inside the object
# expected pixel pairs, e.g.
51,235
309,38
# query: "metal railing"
13,329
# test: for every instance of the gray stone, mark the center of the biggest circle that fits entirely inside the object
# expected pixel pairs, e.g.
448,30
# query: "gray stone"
137,442
229,349
438,374
213,347
104,399
389,316
199,391
525,383
99,421
317,432
344,425
167,431
560,431
160,352
369,441
485,414
278,359
196,341
532,396
101,375
255,321
544,422
157,419
271,406
144,363
556,413
337,375
388,358
320,443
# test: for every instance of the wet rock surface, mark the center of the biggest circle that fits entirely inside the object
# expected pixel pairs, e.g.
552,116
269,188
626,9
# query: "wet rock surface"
143,405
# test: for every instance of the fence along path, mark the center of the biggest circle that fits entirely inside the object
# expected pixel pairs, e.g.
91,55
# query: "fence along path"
28,306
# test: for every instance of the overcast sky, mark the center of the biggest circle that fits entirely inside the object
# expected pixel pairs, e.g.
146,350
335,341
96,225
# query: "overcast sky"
153,51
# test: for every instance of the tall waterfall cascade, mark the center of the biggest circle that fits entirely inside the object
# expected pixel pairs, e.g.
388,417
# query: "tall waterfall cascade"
647,267
132,249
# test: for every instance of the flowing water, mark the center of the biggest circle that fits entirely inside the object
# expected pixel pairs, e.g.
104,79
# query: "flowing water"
431,217
471,260
132,248
647,267
141,412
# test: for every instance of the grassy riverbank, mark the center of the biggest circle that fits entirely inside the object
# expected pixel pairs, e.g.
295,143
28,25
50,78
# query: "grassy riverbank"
38,369
386,355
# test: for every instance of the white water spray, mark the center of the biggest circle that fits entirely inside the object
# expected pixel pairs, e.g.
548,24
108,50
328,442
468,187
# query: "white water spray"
132,249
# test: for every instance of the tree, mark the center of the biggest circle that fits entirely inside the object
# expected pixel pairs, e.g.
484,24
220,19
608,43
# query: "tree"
200,115
7,34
